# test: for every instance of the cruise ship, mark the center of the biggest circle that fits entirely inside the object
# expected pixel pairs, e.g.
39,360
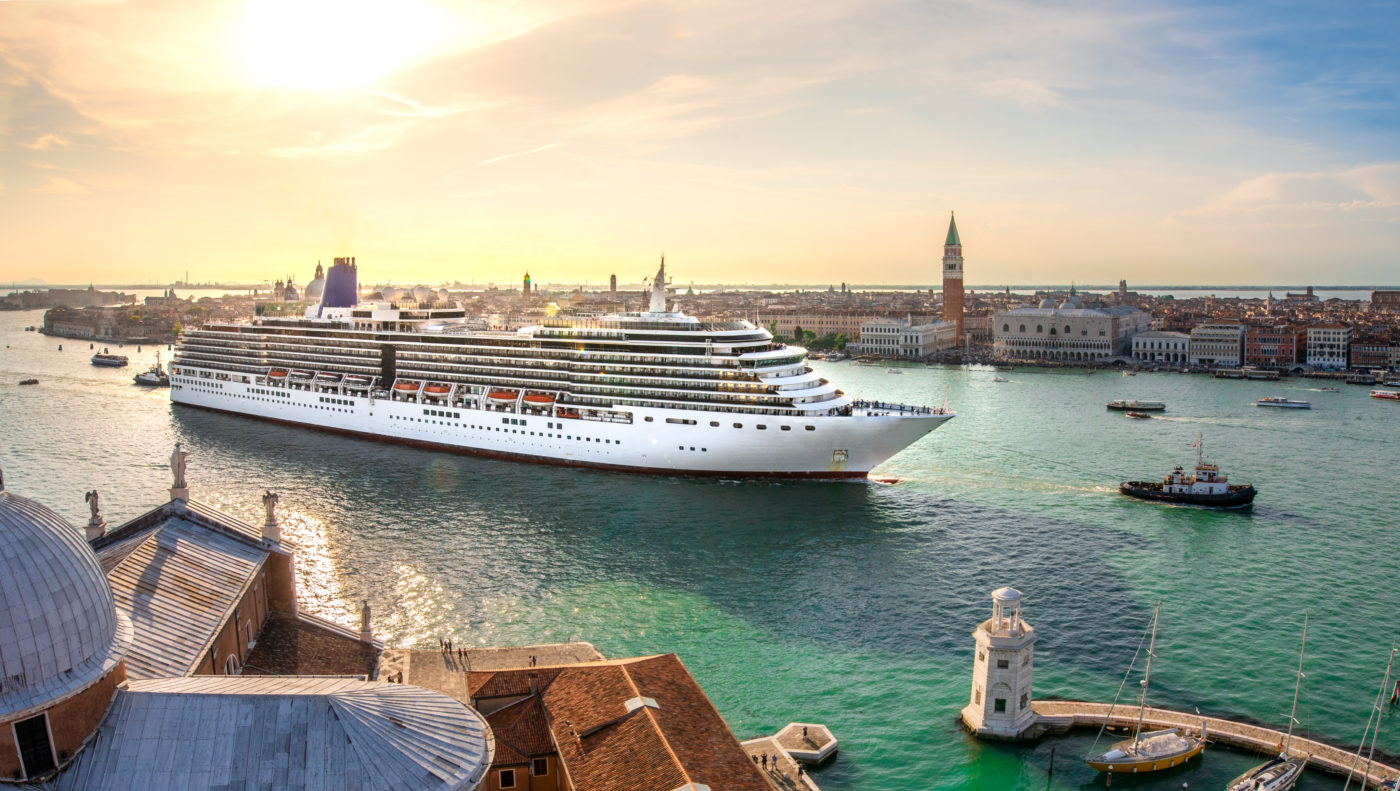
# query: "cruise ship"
653,391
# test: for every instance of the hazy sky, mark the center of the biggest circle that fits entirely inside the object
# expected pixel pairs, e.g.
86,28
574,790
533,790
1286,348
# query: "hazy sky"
813,142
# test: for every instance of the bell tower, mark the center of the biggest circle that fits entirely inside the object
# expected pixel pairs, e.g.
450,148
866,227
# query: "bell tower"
953,277
1001,672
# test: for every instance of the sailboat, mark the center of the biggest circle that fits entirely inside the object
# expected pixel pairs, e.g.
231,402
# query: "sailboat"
1376,713
1154,750
1282,772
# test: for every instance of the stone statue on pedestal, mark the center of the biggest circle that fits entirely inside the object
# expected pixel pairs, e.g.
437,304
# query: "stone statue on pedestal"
91,498
366,631
96,526
269,500
177,467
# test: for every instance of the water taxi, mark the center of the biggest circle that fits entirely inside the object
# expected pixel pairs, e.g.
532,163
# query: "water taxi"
103,359
1280,402
1388,395
1137,406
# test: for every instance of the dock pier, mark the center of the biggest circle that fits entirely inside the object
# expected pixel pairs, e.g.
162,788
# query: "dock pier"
1059,716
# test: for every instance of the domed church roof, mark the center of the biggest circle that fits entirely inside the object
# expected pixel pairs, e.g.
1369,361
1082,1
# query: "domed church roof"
59,629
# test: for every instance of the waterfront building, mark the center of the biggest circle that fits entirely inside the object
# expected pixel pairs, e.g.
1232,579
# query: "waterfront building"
1000,704
1371,351
108,643
1218,344
900,339
637,724
1328,345
1385,300
1160,346
1279,346
1068,331
953,278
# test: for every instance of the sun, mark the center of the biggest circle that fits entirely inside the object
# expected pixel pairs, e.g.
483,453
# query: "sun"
324,45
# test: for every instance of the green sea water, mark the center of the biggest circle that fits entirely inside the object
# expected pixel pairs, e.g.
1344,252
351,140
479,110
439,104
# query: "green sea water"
845,603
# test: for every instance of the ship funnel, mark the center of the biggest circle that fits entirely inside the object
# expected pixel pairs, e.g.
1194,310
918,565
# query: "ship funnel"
342,285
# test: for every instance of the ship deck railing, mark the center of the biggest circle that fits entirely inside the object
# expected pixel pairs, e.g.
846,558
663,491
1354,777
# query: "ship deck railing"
885,407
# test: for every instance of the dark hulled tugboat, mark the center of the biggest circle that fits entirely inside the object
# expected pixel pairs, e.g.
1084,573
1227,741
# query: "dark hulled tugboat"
1206,487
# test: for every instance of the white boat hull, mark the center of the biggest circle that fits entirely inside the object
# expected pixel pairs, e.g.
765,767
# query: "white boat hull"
834,446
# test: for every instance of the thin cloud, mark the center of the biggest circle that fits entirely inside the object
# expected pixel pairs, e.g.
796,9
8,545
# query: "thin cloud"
526,153
46,142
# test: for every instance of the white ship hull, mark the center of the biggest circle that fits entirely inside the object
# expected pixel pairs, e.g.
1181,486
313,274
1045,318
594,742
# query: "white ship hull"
656,441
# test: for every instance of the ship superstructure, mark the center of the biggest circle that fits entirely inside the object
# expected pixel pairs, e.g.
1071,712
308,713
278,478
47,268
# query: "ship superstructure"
654,391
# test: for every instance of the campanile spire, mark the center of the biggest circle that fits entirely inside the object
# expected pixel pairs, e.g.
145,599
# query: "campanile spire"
953,277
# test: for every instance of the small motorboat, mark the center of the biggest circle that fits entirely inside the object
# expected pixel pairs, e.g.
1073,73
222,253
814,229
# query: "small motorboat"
1138,415
1328,390
893,371
1280,402
1395,383
30,381
1000,379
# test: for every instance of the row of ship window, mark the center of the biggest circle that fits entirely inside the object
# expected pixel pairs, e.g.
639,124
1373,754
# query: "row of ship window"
512,421
715,424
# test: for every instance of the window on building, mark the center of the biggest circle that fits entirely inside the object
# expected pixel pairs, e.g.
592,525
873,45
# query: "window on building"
35,748
1006,328
540,767
999,704
507,778
977,696
1023,328
231,665
1040,328
1003,664
1024,700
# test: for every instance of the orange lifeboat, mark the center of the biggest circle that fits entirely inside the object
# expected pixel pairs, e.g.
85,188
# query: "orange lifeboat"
501,396
437,389
406,386
277,373
539,399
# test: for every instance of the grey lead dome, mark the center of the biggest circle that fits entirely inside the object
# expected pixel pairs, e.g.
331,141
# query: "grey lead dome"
59,631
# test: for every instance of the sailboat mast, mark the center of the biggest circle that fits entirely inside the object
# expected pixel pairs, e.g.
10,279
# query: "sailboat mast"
1147,675
1292,714
1377,732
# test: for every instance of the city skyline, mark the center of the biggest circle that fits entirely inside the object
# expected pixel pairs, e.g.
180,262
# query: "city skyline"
1165,144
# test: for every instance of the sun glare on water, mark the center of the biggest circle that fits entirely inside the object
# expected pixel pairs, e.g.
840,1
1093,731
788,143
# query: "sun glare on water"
333,44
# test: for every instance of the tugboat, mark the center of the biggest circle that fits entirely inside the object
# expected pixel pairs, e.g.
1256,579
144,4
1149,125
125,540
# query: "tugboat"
1206,487
1137,406
155,376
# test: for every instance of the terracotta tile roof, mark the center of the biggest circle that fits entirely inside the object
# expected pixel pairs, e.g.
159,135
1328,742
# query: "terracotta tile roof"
623,725
521,731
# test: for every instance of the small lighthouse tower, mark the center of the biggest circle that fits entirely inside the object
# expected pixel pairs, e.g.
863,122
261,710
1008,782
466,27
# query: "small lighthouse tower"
1001,673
